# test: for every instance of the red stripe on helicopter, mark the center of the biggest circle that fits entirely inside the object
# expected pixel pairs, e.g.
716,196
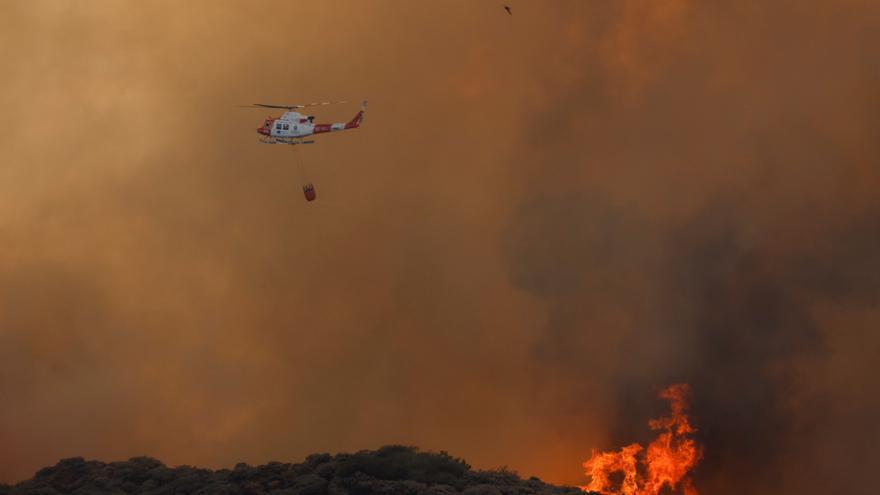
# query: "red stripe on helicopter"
322,128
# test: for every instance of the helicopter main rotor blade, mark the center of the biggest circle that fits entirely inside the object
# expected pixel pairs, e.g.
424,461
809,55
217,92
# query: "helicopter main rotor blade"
292,107
322,103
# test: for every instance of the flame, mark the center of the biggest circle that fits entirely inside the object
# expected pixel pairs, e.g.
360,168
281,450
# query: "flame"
667,461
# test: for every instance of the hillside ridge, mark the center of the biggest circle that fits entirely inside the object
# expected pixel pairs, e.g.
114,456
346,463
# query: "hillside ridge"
390,470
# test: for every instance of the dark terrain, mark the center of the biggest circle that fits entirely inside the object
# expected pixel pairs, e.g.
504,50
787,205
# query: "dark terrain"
391,470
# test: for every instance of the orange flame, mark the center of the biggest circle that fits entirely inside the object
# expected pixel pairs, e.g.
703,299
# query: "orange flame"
667,461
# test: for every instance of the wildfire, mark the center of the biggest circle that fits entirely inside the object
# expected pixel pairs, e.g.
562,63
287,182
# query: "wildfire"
666,462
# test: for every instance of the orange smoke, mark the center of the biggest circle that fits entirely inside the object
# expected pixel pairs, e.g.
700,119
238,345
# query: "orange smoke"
667,461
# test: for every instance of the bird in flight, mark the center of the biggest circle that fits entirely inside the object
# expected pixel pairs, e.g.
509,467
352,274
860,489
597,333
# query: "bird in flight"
507,8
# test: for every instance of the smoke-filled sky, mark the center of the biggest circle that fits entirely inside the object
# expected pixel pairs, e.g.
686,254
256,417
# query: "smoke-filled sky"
546,218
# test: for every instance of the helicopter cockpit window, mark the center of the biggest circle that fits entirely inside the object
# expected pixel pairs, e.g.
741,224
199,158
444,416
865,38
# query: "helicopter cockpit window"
286,127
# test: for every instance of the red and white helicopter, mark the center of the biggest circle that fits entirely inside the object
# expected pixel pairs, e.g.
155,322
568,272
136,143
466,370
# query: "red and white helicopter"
292,127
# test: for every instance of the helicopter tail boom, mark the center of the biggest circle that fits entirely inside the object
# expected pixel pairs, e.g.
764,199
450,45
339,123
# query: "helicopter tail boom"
354,123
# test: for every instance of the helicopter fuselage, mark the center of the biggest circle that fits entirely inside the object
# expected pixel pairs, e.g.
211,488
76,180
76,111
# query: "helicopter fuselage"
293,125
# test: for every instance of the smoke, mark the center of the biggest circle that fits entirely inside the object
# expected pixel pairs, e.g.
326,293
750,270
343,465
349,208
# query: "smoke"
745,218
546,218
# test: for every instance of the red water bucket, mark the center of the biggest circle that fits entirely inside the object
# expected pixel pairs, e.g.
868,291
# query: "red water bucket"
309,192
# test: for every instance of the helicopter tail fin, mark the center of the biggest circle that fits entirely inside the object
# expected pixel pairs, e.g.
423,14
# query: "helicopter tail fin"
359,118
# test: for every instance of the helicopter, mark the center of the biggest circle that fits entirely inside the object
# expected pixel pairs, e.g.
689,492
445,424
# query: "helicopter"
293,127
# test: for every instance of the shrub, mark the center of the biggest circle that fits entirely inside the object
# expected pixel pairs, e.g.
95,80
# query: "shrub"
397,462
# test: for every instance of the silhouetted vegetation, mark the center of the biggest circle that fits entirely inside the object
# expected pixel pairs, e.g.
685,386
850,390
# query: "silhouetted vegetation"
391,470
